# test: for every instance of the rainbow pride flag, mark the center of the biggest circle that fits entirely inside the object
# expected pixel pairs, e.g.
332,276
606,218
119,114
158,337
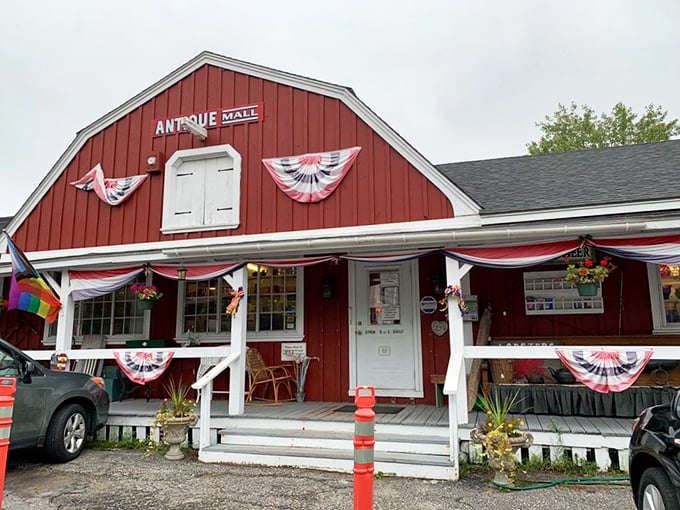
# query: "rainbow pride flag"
28,290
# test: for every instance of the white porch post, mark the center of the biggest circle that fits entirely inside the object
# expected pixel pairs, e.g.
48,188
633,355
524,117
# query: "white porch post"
64,341
237,373
454,274
458,412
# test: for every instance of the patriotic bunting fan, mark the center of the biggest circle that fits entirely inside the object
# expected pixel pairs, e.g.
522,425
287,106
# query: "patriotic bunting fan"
143,367
111,191
605,371
311,177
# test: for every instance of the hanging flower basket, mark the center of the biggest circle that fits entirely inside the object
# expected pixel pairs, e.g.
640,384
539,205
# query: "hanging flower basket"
145,304
587,289
587,275
146,295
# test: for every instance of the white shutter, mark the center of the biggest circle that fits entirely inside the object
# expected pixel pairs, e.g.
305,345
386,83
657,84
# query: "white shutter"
187,210
219,192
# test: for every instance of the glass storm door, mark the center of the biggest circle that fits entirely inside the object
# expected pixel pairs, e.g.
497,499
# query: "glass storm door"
385,348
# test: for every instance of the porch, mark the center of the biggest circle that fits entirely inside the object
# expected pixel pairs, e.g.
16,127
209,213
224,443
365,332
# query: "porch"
411,440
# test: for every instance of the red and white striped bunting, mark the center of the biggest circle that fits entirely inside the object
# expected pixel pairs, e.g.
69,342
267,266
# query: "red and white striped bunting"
310,178
89,284
605,371
111,191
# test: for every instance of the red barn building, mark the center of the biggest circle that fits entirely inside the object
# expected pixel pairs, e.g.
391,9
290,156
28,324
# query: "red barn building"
227,175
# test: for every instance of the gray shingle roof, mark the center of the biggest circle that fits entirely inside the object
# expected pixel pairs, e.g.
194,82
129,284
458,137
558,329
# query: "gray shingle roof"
4,222
596,177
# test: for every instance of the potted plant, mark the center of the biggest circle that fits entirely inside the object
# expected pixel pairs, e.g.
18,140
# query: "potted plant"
146,295
500,435
587,274
175,415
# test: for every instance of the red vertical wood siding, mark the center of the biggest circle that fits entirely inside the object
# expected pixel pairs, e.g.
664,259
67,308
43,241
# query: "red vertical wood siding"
380,187
503,290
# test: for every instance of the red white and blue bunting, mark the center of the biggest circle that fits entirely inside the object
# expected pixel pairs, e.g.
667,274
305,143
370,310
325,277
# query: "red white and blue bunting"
111,191
89,284
144,366
195,273
657,250
310,178
653,249
512,255
605,371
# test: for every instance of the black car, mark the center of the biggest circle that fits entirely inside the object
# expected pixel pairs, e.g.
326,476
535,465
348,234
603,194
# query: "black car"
54,410
655,457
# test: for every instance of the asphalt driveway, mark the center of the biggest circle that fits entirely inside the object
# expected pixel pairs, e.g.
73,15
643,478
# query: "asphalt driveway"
128,480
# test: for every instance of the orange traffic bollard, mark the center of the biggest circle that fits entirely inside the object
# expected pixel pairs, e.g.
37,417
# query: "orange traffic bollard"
364,441
7,389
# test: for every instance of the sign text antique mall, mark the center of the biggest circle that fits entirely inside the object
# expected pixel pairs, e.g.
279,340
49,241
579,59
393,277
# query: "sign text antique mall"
211,119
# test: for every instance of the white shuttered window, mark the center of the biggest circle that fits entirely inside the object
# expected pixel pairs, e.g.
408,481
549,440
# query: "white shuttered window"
202,188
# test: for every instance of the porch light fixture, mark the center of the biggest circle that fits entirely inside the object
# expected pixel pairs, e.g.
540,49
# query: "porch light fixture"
328,288
181,273
438,281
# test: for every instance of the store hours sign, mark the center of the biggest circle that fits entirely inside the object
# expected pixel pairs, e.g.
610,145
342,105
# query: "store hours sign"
210,119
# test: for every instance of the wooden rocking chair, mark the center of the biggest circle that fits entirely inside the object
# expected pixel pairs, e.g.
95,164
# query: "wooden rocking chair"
261,375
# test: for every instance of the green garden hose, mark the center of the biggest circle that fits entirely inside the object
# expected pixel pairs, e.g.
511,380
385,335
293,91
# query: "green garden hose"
582,481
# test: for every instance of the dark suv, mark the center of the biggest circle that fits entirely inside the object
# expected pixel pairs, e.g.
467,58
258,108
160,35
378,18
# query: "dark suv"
54,410
655,457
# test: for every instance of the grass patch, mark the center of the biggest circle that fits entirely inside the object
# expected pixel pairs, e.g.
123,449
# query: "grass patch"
149,446
125,443
563,466
466,469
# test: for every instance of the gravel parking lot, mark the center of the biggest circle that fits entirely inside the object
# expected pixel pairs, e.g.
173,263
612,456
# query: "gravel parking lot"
128,480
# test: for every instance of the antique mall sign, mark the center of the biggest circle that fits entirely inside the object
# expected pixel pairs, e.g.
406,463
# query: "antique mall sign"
211,119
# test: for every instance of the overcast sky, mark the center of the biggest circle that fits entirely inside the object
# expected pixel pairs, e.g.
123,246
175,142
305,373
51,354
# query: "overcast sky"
458,80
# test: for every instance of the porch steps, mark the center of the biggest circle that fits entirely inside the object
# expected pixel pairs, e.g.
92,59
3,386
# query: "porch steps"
309,444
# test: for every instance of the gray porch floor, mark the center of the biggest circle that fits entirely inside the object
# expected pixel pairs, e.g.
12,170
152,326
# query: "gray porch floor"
413,415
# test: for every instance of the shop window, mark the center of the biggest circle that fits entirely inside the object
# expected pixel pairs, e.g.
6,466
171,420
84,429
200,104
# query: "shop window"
202,190
273,299
664,284
115,315
205,306
273,294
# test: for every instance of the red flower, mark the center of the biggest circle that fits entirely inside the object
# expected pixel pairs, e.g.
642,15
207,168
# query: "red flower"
588,263
604,262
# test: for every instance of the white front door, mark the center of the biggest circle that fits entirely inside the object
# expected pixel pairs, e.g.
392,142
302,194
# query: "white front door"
385,347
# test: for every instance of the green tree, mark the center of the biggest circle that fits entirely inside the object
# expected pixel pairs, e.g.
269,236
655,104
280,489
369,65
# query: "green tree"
577,128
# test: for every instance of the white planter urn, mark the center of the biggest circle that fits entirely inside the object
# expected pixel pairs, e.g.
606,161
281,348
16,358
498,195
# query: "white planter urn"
175,433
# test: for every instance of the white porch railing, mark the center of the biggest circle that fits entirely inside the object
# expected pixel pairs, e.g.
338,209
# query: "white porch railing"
205,386
455,384
180,352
